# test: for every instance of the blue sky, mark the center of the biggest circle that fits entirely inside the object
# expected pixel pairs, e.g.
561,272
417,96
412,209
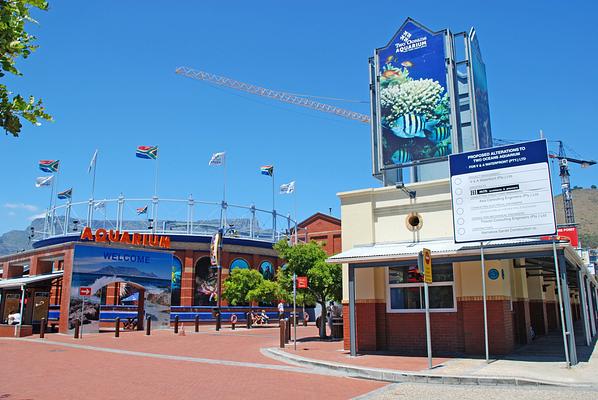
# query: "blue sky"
106,72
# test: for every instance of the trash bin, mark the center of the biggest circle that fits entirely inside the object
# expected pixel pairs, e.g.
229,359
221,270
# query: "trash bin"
337,327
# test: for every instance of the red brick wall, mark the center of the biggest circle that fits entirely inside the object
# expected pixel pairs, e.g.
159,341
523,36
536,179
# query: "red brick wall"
552,315
538,316
452,332
521,317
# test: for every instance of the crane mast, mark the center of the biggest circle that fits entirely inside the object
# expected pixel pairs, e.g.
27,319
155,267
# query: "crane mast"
272,94
566,182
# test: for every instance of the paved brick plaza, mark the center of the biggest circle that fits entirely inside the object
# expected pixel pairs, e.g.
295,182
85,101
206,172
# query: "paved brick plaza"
163,366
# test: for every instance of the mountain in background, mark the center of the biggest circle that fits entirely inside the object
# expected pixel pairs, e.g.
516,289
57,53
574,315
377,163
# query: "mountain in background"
123,271
585,206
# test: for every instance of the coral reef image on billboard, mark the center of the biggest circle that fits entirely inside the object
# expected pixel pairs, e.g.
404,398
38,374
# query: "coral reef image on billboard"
125,283
413,98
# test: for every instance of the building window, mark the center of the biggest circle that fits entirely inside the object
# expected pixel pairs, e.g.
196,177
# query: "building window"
238,263
177,272
406,289
267,270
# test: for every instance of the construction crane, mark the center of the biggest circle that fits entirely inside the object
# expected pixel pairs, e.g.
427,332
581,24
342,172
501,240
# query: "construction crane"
565,182
272,94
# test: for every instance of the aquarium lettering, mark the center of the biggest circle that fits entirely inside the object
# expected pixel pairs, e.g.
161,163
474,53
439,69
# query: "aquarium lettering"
127,258
115,236
408,45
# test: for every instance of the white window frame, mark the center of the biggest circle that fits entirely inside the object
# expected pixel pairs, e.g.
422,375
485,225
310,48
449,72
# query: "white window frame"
390,286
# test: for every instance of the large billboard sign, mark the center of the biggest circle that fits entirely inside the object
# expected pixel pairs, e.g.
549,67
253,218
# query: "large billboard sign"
110,275
413,97
502,193
479,89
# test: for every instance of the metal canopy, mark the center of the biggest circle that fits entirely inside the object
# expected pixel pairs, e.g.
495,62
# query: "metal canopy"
447,251
19,282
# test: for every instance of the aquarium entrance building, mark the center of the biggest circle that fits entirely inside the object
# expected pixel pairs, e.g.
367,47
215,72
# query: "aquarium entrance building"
89,282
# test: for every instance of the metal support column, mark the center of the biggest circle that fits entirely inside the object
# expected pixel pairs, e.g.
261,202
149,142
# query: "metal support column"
89,212
590,302
67,217
273,224
352,319
566,299
119,212
583,302
154,213
190,204
252,226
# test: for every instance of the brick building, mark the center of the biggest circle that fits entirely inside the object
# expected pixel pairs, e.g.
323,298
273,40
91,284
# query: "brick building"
383,230
43,276
324,229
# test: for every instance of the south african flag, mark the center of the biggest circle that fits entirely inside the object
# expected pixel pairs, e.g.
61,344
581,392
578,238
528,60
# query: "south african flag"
267,170
49,165
147,152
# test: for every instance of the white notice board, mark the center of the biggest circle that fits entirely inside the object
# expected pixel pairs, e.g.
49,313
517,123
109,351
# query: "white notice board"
502,193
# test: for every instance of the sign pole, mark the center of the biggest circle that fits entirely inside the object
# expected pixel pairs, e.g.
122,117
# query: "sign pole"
558,285
484,301
295,311
82,311
425,263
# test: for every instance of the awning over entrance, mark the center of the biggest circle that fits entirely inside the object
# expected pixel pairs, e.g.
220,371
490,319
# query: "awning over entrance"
379,254
18,282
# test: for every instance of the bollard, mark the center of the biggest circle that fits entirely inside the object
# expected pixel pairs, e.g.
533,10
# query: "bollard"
148,325
288,330
197,323
305,315
283,334
117,327
42,329
218,321
248,315
176,324
77,322
233,326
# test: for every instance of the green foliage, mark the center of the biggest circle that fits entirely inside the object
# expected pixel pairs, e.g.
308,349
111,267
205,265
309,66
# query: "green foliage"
324,280
238,285
248,285
16,43
593,187
266,292
309,259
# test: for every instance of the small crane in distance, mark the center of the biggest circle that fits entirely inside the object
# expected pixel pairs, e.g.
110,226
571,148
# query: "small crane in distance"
565,182
272,94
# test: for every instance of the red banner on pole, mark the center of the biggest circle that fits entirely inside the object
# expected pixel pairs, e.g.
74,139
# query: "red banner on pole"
302,282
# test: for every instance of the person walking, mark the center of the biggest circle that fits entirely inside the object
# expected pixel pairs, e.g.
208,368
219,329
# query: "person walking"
280,309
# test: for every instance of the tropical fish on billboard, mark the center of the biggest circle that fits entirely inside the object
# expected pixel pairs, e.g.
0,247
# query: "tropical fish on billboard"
401,156
443,148
412,125
439,133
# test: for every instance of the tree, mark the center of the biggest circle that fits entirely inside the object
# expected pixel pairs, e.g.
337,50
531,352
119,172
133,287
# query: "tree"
266,292
16,43
309,259
593,186
238,285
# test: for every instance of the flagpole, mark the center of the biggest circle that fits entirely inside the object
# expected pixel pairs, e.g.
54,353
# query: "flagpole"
53,202
222,208
156,177
295,209
93,188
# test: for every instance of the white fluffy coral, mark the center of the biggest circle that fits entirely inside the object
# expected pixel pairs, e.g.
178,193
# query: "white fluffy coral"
417,96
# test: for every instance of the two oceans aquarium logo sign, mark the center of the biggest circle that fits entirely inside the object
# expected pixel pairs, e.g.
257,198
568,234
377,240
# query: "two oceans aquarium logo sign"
413,97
